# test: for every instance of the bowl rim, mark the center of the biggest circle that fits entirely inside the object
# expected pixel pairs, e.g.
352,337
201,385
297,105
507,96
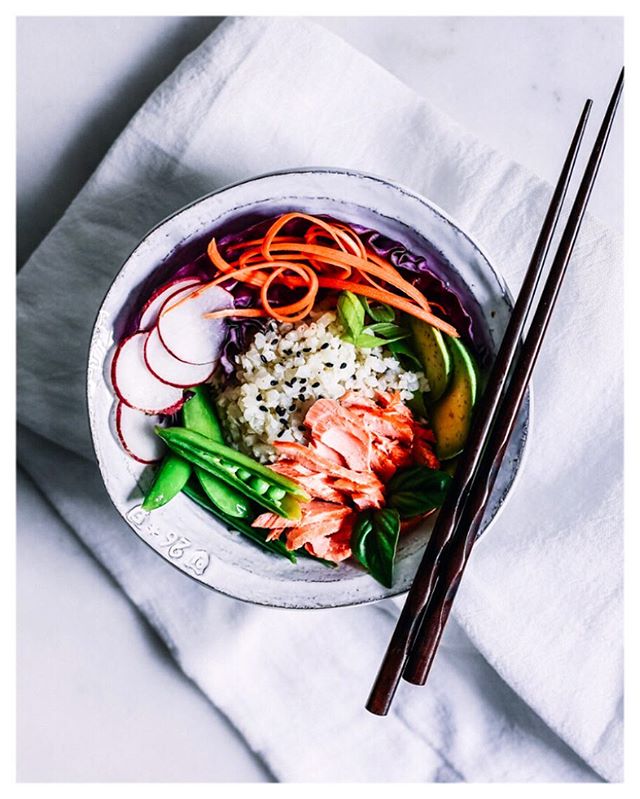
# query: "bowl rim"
526,409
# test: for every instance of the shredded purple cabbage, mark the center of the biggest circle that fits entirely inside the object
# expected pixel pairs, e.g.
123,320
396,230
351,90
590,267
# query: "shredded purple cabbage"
427,271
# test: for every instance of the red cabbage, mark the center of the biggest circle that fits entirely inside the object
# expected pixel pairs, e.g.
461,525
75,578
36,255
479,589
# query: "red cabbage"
428,271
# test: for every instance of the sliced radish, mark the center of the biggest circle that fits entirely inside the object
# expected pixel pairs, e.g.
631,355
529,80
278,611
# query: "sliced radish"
151,309
169,369
136,386
135,431
186,333
108,365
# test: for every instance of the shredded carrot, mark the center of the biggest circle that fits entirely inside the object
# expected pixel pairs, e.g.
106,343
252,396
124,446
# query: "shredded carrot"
297,310
216,259
282,221
326,255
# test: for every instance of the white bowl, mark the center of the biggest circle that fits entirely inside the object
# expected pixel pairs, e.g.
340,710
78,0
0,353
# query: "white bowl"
186,535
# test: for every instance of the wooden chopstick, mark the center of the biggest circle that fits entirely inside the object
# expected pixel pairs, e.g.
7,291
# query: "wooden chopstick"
404,635
461,543
408,622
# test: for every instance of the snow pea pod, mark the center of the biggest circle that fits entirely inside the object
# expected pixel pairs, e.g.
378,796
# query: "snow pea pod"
199,416
224,462
169,481
195,492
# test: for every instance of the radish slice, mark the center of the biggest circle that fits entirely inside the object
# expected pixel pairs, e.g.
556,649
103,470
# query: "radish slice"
186,334
107,366
169,369
136,386
151,309
135,431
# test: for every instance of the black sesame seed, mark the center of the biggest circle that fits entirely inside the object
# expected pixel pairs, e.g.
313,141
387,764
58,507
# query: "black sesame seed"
302,397
301,428
315,385
325,345
306,349
292,407
263,408
274,382
280,410
343,365
260,397
330,365
303,379
294,380
263,359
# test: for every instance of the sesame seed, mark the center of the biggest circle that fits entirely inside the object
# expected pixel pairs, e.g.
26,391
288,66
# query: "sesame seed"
263,408
325,345
343,365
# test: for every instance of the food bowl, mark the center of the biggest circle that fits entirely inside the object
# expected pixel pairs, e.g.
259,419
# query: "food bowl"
183,533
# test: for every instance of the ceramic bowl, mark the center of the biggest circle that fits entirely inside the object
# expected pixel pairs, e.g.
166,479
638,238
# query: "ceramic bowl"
181,532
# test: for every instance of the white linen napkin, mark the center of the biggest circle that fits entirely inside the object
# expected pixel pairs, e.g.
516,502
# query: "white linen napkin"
528,683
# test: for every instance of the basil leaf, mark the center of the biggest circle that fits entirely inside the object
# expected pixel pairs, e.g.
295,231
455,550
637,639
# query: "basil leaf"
374,541
387,329
365,303
350,313
365,340
416,490
402,349
381,313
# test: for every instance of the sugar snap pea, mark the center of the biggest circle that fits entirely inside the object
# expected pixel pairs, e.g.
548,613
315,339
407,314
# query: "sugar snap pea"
195,492
199,416
215,458
169,481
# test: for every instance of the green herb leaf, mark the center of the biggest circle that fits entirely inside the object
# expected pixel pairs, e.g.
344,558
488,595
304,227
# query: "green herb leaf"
366,340
350,313
388,330
365,303
381,313
417,490
374,541
404,352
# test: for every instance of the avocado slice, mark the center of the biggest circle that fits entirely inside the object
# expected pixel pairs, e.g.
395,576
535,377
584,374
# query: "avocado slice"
433,354
451,416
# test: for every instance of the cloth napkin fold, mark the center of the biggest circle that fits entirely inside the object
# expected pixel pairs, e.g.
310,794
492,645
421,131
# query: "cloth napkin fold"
528,683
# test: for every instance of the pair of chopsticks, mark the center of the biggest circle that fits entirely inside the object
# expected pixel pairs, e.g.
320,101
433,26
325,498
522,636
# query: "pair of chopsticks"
420,625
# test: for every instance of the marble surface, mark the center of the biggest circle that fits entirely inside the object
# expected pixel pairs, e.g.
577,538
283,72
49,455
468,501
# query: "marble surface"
518,83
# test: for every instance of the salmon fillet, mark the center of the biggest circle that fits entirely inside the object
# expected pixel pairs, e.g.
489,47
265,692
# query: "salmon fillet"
335,427
310,459
336,547
355,446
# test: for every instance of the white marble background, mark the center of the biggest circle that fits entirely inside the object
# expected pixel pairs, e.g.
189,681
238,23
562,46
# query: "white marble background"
89,670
